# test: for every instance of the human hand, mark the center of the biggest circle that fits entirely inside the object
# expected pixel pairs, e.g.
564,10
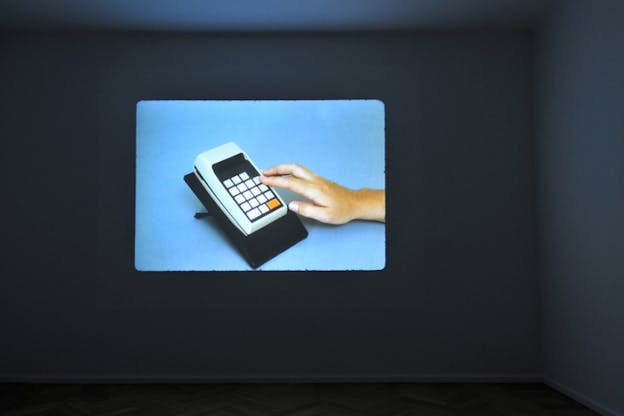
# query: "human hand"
329,202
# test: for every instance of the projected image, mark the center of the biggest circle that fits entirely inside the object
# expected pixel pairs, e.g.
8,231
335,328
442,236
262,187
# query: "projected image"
260,185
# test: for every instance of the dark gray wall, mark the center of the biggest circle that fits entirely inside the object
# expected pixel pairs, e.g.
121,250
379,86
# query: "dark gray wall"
459,297
580,171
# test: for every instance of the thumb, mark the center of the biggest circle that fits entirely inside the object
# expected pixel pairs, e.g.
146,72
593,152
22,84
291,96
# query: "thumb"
308,210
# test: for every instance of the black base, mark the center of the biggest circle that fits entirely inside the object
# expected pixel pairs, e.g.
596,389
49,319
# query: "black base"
260,246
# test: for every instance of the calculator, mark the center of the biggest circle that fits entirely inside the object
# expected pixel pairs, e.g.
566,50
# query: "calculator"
233,182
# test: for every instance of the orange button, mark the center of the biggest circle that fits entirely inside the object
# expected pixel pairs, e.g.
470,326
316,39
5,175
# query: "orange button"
274,203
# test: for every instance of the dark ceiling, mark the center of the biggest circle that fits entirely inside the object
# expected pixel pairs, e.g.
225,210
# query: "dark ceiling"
266,15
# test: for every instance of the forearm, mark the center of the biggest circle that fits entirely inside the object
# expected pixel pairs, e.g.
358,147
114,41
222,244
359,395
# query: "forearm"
370,204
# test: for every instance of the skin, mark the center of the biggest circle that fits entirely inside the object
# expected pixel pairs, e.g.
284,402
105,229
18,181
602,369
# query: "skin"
329,202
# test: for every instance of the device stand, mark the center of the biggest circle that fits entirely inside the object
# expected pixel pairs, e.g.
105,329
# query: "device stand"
260,246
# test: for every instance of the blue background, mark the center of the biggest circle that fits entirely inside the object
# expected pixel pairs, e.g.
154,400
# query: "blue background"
342,140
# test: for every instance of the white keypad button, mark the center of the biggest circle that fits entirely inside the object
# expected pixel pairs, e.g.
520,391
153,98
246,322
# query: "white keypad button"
254,213
245,206
263,187
253,202
249,183
241,187
244,176
262,199
247,195
255,190
235,179
257,180
263,208
239,199
234,190
269,195
228,183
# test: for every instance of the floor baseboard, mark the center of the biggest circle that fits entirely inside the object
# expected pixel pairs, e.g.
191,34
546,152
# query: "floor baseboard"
486,378
581,398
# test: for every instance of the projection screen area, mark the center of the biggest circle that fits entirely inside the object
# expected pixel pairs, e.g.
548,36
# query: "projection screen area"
342,141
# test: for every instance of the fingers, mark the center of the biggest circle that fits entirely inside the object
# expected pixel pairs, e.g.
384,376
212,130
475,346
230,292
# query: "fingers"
309,211
291,183
289,169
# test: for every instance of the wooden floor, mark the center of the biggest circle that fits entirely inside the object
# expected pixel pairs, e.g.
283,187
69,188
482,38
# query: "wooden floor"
365,399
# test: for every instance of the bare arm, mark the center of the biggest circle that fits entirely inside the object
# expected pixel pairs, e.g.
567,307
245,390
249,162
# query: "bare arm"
329,202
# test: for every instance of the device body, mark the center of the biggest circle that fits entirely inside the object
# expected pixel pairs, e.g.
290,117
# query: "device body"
233,181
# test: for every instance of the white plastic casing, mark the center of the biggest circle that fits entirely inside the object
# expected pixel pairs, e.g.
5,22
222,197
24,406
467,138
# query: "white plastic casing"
204,162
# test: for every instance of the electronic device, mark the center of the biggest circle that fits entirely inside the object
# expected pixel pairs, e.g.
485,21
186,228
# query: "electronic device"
233,182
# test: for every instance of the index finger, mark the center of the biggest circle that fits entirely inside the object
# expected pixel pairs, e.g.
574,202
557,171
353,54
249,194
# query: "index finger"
296,185
293,169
